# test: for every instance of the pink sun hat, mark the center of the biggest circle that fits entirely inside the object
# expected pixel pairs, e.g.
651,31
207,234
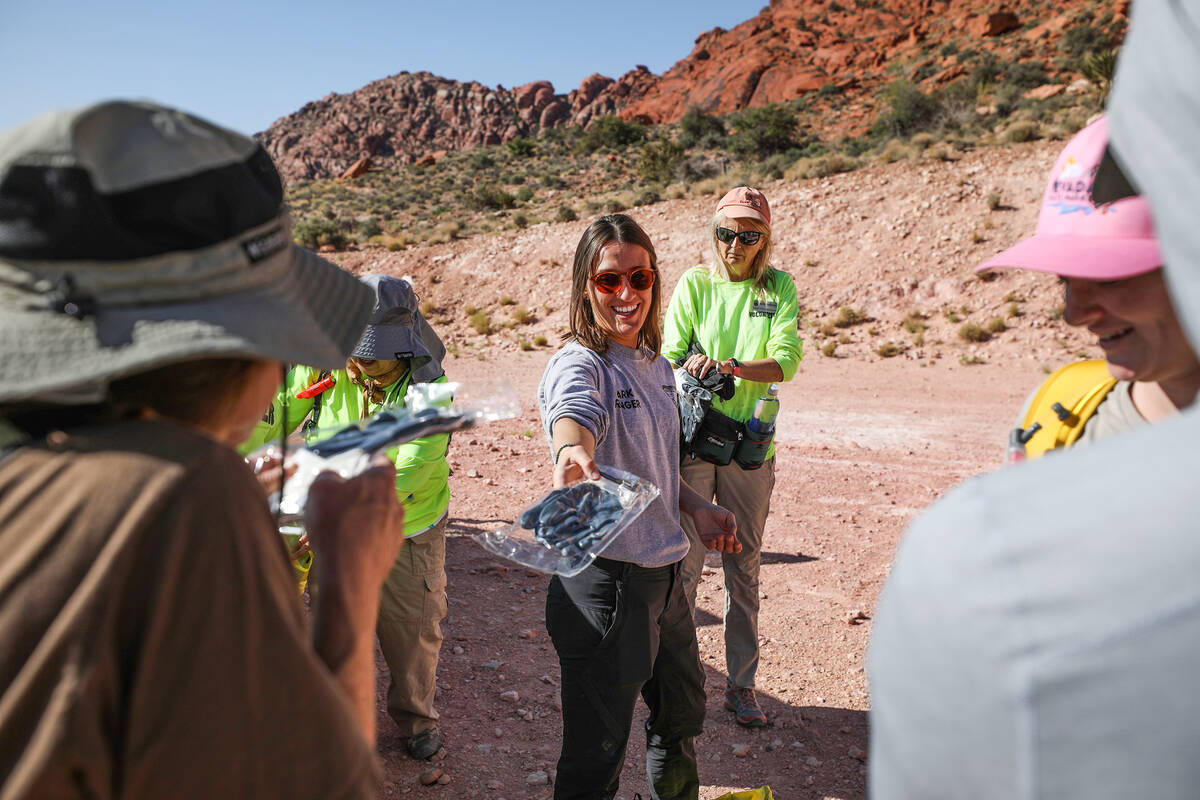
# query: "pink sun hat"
744,202
1074,237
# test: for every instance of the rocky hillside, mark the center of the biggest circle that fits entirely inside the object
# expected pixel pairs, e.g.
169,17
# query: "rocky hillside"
830,57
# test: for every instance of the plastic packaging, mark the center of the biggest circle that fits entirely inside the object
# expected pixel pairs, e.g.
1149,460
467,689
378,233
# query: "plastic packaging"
568,528
429,408
765,411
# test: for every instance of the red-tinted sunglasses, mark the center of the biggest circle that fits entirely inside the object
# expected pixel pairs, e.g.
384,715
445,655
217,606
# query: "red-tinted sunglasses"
610,282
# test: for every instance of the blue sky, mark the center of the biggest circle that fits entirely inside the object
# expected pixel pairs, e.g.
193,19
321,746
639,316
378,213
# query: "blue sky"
245,64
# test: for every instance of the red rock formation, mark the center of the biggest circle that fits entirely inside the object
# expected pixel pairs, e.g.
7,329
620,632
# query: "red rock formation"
357,168
792,49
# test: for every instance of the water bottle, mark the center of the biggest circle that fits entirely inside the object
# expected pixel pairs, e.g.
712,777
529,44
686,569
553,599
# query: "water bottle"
765,410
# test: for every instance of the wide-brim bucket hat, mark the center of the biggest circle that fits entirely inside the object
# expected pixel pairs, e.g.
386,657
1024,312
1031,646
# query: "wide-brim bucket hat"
1077,238
398,331
133,236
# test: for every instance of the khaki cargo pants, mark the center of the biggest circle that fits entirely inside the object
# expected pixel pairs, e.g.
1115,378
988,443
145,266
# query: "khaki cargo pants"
747,493
412,606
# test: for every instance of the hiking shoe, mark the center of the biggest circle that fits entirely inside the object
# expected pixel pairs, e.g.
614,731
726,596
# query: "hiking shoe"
745,708
424,745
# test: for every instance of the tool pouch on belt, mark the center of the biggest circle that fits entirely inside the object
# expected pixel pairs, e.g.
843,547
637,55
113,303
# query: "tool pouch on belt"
720,439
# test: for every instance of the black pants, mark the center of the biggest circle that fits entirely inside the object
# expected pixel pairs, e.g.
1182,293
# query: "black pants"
621,630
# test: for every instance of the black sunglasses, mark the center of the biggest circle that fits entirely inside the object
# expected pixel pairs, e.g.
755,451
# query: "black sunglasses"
610,282
748,238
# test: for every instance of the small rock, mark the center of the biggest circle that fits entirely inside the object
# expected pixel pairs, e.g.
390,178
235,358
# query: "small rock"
547,679
777,742
499,732
799,745
430,776
510,696
472,473
443,779
494,784
458,651
493,664
857,752
741,750
484,748
855,617
556,703
813,761
538,778
532,633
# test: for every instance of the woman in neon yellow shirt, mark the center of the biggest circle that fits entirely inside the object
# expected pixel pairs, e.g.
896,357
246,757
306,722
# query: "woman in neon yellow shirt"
742,313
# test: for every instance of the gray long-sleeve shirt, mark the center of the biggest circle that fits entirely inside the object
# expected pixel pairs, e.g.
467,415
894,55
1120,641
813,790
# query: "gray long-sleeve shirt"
627,402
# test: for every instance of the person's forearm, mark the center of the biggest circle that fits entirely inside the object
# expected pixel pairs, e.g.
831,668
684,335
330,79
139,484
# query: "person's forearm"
344,638
567,431
762,370
690,501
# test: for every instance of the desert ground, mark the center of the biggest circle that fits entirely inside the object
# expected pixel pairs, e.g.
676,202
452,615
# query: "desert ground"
865,442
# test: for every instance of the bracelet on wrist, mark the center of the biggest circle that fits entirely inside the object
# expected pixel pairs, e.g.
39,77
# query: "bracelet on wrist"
735,368
558,452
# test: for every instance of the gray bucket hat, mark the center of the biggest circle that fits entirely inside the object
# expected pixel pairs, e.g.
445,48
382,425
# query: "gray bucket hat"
398,330
133,236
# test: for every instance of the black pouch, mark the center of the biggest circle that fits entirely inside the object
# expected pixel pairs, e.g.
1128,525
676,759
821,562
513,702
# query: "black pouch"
752,450
716,438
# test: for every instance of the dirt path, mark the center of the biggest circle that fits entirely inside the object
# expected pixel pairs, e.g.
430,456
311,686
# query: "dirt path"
863,446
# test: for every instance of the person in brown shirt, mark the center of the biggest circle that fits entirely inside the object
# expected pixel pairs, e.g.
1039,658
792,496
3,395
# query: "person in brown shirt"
153,642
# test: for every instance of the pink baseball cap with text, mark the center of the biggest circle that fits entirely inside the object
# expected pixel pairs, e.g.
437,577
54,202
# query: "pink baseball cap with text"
1076,238
746,202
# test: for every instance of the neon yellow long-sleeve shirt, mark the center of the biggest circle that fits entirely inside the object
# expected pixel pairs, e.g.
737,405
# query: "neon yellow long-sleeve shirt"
422,474
733,319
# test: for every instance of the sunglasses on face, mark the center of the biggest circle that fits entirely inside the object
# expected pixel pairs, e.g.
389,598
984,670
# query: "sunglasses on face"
610,282
748,238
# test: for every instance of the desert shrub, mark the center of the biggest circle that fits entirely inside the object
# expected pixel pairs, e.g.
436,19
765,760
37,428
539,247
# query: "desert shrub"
521,221
821,167
888,350
658,161
970,360
313,233
646,197
763,131
610,131
566,214
524,194
540,340
993,201
521,315
369,227
470,310
1099,68
971,332
505,300
481,322
828,329
1026,75
829,349
914,322
828,90
615,204
895,150
910,111
1014,310
521,147
700,129
553,182
847,317
1083,38
1023,131
480,159
487,196
996,325
427,307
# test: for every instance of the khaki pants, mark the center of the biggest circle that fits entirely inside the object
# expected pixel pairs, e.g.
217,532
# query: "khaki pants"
747,493
412,605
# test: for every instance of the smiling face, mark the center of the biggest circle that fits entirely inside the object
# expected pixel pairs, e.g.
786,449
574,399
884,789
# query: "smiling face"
620,315
1135,326
739,258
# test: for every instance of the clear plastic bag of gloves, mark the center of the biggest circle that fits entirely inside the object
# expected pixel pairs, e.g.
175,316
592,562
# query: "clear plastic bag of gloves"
569,527
429,408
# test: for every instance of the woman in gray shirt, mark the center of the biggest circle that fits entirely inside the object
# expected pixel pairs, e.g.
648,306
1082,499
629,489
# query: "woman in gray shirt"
622,626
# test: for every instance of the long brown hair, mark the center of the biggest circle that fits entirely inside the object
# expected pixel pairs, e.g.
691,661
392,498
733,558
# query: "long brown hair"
611,229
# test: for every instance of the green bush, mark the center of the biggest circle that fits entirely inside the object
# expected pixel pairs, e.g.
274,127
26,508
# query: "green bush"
487,196
646,197
521,147
828,349
763,131
847,317
973,333
481,322
610,131
659,161
996,325
481,160
566,214
521,221
313,233
888,350
700,129
1021,131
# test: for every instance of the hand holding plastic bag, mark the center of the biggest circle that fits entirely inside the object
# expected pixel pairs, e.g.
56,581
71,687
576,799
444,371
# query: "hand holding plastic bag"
570,526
